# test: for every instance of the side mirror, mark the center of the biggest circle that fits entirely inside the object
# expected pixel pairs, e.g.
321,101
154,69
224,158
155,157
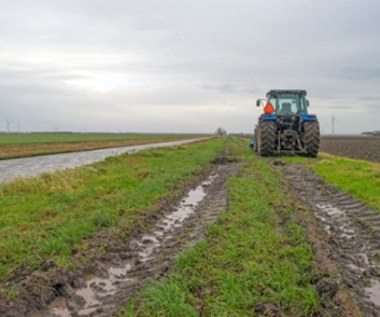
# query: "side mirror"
307,103
258,102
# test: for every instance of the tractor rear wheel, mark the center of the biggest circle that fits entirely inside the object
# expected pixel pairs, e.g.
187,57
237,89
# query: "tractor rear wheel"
266,138
311,138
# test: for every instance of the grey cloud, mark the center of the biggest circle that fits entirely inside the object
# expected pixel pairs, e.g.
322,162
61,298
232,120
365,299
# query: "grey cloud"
110,63
360,73
370,98
233,89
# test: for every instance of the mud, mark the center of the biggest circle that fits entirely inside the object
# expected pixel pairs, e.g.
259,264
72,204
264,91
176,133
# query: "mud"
34,166
352,232
105,283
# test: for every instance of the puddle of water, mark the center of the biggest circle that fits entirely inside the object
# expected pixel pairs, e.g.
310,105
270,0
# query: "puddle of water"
330,210
355,268
149,243
91,291
186,208
118,272
59,307
364,256
97,287
373,292
325,222
335,215
321,218
347,233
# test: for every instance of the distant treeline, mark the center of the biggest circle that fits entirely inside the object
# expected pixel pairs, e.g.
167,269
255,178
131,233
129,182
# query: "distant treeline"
105,133
373,133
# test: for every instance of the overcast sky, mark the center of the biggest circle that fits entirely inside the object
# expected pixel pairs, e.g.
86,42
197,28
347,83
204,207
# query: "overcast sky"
185,65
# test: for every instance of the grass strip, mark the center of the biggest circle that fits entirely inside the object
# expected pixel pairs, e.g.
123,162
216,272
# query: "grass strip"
359,178
49,217
256,260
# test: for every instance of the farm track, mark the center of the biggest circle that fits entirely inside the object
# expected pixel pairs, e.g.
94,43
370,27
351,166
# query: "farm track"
353,235
360,147
106,283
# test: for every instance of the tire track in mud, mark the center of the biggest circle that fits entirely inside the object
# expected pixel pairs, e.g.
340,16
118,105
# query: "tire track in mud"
353,231
107,285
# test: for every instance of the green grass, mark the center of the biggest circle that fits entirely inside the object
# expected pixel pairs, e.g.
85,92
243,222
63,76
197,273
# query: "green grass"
256,253
359,178
49,217
24,138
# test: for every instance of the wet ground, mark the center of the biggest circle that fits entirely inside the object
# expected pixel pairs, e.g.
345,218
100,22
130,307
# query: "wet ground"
104,285
33,166
353,235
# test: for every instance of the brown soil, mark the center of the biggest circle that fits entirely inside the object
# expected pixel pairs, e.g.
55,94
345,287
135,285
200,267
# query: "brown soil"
8,151
103,282
360,147
348,242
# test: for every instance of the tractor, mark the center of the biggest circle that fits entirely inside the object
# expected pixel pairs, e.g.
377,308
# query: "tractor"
285,125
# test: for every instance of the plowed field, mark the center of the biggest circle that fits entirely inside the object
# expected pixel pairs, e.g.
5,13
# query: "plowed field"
356,147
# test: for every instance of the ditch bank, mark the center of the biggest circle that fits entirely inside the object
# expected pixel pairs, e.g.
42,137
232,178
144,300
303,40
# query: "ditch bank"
351,235
104,282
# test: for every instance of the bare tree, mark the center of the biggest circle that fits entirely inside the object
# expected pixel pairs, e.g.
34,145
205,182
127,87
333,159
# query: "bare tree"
220,132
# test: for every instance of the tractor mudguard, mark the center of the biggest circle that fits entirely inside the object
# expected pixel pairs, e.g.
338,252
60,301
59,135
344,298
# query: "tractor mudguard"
306,117
269,117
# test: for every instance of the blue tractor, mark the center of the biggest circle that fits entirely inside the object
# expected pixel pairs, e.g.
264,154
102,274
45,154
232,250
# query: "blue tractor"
285,125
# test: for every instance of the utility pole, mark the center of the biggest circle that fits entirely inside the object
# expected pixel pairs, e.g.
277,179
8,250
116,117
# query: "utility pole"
333,124
8,125
18,127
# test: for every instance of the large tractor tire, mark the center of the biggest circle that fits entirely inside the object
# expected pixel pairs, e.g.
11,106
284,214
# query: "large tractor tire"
266,138
311,138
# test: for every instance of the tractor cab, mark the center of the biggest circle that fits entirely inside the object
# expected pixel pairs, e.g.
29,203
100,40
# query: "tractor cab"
288,102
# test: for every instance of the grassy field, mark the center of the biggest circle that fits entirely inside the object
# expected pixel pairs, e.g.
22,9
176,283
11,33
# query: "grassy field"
48,217
359,178
24,145
255,260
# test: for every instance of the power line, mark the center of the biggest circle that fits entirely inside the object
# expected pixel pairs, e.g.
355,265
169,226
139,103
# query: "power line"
8,125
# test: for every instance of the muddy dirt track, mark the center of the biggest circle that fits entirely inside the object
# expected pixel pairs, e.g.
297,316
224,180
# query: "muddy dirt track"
106,282
356,147
352,234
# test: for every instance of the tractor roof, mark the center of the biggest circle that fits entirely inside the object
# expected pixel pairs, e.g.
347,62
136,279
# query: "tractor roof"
284,92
